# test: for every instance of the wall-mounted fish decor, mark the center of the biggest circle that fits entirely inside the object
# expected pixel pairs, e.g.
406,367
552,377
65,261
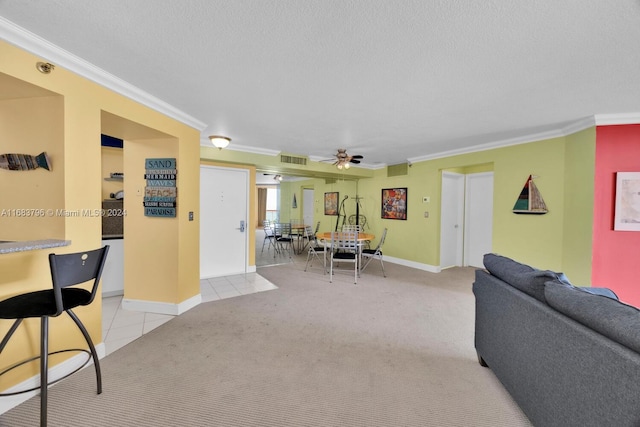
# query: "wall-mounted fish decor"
24,162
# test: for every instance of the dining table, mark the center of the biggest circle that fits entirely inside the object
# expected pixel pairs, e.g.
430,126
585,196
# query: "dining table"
362,237
298,231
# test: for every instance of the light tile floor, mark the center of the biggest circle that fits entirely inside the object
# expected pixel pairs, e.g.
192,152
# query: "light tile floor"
120,327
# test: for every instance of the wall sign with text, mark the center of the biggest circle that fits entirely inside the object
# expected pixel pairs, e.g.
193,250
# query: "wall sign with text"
160,194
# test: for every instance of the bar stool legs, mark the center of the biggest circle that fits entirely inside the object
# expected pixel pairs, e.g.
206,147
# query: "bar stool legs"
44,360
44,368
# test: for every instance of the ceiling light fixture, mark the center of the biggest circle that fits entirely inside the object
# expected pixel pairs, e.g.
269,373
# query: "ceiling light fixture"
343,164
219,141
278,178
45,67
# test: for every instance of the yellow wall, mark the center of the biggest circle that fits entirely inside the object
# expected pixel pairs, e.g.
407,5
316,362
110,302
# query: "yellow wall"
30,199
150,276
85,110
578,206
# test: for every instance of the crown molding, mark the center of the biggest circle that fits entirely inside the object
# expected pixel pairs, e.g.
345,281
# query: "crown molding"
491,145
38,46
573,127
617,119
243,148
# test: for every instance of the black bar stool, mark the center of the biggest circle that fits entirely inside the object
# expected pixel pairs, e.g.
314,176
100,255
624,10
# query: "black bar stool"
66,270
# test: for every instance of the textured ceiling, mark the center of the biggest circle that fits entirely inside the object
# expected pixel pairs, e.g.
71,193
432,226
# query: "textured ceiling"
392,80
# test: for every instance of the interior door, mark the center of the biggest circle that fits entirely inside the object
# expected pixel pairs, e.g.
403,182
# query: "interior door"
451,222
478,218
308,206
223,221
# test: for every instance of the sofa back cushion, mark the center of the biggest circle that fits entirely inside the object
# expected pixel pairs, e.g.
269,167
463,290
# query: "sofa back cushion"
610,317
521,276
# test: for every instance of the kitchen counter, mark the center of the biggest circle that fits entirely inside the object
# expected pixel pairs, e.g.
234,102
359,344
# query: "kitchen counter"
112,236
31,245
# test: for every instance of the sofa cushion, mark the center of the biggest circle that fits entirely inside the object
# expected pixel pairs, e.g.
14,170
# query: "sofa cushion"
610,317
521,276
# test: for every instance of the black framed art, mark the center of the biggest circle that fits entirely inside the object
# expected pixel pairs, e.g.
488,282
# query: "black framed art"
331,203
394,203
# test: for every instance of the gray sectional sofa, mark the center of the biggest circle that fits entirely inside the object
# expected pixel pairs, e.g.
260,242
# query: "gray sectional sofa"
568,356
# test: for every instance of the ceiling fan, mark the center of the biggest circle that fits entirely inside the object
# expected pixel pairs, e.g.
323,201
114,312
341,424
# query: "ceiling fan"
343,159
276,177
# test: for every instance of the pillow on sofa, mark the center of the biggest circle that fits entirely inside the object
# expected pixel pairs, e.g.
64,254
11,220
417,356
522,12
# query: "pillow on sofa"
610,317
521,276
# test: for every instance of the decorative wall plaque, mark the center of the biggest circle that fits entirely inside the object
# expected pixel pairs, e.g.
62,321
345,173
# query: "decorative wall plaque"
160,194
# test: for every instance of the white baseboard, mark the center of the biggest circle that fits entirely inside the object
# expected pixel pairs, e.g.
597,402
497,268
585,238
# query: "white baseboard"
161,307
412,264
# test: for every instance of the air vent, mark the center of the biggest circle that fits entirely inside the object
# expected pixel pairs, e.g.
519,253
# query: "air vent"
398,170
285,158
330,180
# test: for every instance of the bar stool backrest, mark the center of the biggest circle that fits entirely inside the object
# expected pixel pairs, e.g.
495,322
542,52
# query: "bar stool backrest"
76,268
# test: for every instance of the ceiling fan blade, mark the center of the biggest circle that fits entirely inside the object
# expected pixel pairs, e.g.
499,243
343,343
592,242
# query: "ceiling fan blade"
357,156
354,161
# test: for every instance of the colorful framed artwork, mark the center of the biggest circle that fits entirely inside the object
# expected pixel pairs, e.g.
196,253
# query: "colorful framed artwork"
627,214
394,203
331,203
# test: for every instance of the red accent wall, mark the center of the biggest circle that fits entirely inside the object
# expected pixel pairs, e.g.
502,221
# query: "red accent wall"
616,254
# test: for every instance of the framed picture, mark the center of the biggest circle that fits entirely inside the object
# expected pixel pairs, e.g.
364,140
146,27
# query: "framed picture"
394,203
331,203
627,215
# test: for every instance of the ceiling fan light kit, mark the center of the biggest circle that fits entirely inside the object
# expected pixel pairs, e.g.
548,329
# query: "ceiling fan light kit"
344,160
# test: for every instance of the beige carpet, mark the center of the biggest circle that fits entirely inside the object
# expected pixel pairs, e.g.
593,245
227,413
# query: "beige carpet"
386,352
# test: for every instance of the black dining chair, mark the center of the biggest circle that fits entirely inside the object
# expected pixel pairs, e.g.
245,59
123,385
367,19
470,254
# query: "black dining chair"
67,270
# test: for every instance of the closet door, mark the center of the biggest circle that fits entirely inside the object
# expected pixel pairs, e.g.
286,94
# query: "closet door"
478,218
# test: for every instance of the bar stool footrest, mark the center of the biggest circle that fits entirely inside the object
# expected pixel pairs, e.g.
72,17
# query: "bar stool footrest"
24,362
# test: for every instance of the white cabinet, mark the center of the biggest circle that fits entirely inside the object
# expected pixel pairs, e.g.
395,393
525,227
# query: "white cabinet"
113,271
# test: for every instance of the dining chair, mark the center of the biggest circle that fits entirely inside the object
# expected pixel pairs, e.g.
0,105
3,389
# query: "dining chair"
283,239
269,236
67,270
344,247
371,254
359,228
315,249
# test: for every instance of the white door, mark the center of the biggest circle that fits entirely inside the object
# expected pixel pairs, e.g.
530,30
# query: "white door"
478,218
451,222
223,221
308,206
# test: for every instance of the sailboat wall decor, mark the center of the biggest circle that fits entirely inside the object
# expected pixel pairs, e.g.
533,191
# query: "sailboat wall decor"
530,200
